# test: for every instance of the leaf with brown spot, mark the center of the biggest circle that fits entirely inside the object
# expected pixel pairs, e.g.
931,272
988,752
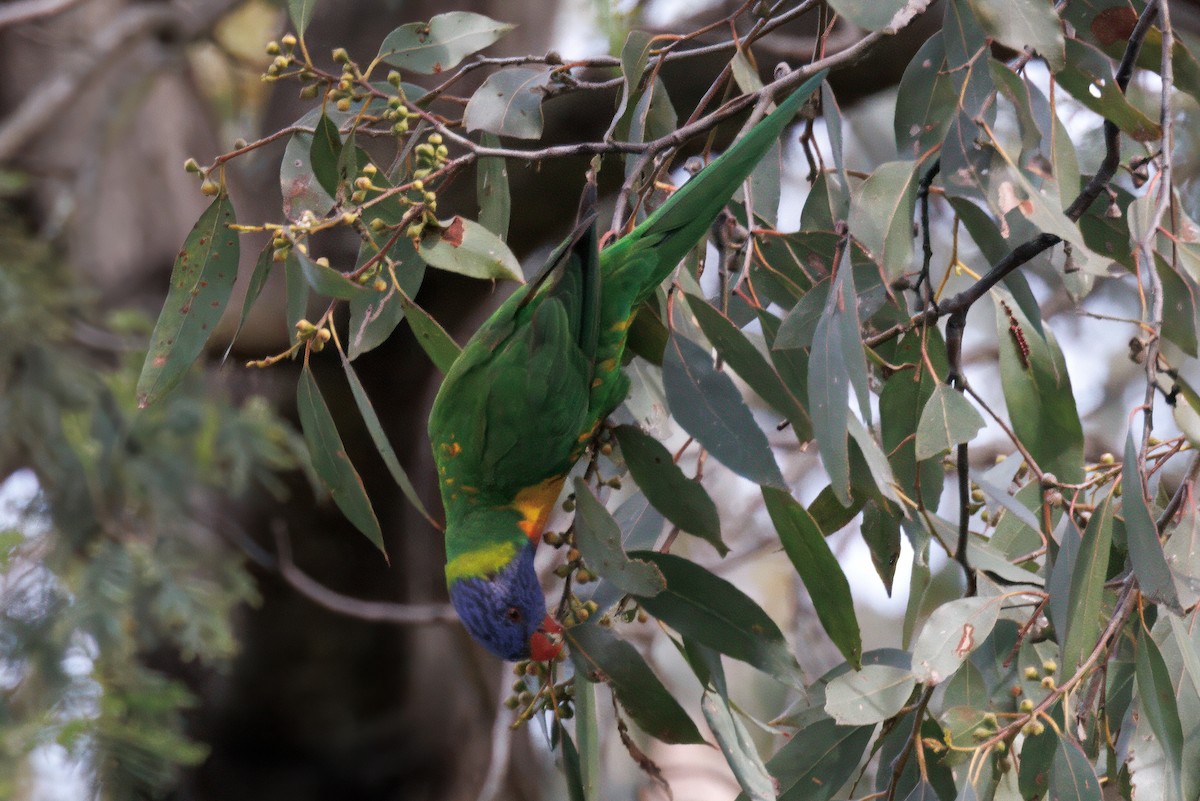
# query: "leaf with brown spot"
204,271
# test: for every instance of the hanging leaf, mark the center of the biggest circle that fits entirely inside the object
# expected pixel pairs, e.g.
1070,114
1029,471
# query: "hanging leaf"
1072,777
201,282
710,408
881,215
819,570
1024,23
301,190
599,541
509,103
327,281
491,188
635,54
374,315
324,153
684,501
440,44
868,696
433,339
330,461
837,361
1084,609
1145,549
750,365
465,247
879,15
1156,691
948,419
1037,390
600,656
905,394
952,632
818,760
712,611
375,429
301,12
258,279
295,294
738,747
1088,76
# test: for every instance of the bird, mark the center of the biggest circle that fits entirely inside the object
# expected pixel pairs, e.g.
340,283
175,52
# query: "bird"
531,387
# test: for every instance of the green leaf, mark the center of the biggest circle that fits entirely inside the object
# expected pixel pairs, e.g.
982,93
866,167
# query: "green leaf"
635,54
738,747
905,394
1156,690
1023,23
441,43
587,731
330,461
599,541
433,339
799,327
324,154
491,188
465,247
750,365
375,429
301,190
509,103
1037,390
258,279
715,613
837,360
295,294
870,695
1084,608
201,282
374,315
1145,549
953,631
1088,76
326,280
600,655
880,530
684,501
1037,758
709,407
819,570
818,760
301,12
1183,555
878,15
881,215
1072,777
948,419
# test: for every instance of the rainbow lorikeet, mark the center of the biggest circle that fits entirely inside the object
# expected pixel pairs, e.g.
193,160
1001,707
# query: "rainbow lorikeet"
529,390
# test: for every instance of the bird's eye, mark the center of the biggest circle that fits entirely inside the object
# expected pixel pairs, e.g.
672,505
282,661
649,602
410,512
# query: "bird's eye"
513,614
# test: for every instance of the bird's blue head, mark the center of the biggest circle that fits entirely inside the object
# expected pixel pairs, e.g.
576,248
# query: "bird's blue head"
506,611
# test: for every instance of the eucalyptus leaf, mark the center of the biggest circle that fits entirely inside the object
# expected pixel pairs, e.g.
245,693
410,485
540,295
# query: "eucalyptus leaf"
440,44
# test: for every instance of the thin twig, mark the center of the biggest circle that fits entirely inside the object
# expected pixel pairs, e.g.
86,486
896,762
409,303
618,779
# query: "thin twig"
379,611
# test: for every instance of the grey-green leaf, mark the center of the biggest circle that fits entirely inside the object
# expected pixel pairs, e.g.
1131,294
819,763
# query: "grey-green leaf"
805,545
491,188
1086,597
379,437
715,613
869,695
301,12
738,747
709,407
952,632
881,215
201,282
331,462
509,103
465,247
600,655
598,538
1145,549
948,419
1156,690
683,501
818,760
434,46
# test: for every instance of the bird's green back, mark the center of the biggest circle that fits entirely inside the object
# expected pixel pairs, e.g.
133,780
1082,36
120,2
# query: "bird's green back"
526,394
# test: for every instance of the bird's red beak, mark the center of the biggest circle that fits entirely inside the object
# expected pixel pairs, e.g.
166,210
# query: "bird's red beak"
546,643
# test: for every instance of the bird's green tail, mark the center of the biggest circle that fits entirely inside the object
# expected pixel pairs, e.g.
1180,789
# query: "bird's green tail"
679,223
